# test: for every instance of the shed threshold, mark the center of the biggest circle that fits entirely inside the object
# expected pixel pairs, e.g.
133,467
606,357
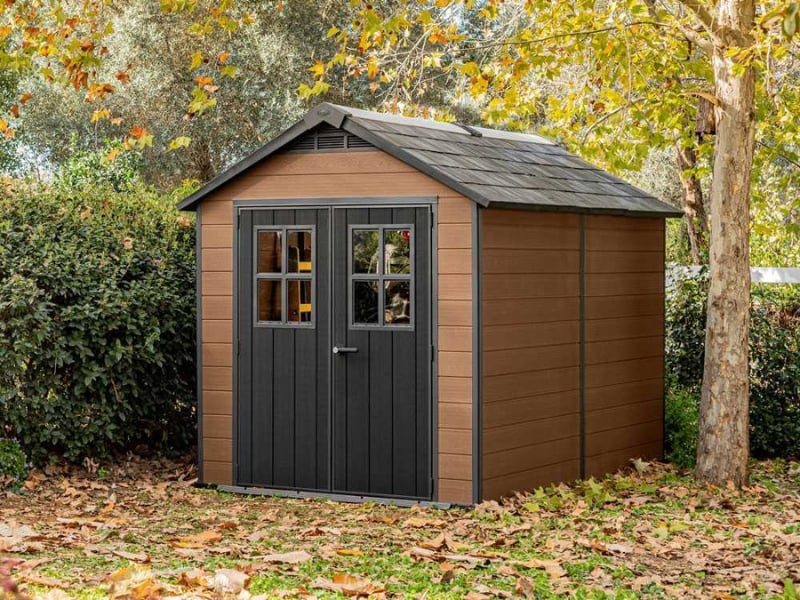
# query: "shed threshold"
356,499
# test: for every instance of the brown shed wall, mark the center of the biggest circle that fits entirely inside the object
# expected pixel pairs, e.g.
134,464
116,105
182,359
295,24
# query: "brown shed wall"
531,345
530,263
340,175
624,341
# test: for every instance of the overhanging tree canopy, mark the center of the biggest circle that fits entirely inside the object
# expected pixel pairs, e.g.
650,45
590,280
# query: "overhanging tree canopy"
629,76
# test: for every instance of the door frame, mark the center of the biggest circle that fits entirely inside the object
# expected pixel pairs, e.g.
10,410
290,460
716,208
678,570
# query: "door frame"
431,202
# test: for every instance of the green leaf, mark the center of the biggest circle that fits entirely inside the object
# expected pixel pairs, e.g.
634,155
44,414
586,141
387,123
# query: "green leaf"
790,24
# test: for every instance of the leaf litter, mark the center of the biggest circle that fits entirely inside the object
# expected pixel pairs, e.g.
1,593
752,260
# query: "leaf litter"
143,531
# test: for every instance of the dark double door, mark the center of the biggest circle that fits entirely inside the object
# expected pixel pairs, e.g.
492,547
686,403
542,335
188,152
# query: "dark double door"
334,358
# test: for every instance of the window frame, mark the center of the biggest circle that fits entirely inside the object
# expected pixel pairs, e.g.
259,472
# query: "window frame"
381,277
284,277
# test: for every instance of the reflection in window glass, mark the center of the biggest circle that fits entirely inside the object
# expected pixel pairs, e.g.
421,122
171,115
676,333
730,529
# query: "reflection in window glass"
365,251
269,300
299,301
299,251
397,303
365,302
269,252
397,251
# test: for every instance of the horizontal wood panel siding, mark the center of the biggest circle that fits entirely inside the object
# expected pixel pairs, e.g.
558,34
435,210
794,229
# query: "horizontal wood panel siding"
455,350
530,271
624,286
340,175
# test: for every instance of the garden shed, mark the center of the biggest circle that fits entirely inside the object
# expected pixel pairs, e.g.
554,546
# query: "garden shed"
411,310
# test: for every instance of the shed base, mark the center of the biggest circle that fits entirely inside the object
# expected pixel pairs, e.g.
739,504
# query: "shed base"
401,502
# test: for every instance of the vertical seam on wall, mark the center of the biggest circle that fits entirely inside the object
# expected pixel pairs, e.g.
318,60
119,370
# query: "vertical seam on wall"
477,421
331,299
199,342
582,342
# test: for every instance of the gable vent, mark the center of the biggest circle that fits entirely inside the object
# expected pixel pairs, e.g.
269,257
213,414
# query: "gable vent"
326,138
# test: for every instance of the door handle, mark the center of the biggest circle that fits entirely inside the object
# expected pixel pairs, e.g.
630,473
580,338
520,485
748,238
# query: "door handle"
344,350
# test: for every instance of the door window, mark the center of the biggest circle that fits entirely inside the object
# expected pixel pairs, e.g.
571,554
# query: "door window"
284,273
381,275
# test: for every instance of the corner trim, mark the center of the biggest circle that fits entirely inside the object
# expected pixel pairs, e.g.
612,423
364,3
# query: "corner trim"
582,343
433,215
477,359
198,237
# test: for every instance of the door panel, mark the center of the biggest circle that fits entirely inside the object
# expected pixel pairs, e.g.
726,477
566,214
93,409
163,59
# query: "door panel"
283,421
381,399
357,421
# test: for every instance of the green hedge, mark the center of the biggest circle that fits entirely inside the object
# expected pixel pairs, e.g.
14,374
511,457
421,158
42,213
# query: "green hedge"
774,367
97,322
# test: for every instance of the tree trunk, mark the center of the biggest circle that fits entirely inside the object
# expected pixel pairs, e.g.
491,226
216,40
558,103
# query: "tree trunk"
693,209
723,447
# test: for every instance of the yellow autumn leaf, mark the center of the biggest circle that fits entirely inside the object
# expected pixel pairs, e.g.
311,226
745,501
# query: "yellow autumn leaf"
471,69
318,69
372,68
229,71
100,114
197,60
179,142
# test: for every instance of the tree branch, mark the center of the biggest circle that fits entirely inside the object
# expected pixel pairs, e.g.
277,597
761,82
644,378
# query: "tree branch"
555,36
607,116
780,154
692,35
701,12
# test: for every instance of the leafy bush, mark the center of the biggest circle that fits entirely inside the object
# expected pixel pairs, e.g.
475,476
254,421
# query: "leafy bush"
87,168
775,379
97,322
13,465
681,426
686,324
774,360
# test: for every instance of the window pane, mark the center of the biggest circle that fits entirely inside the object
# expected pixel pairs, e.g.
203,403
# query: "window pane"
397,251
299,251
269,300
299,301
397,307
269,252
365,251
365,302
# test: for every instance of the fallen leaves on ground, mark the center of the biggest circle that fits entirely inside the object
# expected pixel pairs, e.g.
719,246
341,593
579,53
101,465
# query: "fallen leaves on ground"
141,530
348,585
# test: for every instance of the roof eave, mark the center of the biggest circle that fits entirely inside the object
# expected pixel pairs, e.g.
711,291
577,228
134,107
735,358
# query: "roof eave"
668,213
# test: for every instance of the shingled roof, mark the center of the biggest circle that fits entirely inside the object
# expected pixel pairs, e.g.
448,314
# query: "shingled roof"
489,166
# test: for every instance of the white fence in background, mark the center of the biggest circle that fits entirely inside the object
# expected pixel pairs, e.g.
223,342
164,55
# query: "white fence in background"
790,275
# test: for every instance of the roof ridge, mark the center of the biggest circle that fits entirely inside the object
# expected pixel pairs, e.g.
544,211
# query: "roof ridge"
452,126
